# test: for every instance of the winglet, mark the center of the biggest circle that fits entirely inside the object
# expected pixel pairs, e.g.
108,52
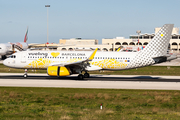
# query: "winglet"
92,55
118,49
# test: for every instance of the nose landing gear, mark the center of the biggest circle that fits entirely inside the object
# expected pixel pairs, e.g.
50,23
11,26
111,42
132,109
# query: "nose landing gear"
25,74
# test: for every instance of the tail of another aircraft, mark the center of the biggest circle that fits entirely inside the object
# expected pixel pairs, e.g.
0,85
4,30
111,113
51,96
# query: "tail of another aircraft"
26,37
157,48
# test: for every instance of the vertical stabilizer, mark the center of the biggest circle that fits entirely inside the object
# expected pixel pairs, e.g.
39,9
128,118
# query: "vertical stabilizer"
26,37
159,44
157,47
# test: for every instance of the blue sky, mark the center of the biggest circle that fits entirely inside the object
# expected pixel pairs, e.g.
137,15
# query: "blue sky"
94,19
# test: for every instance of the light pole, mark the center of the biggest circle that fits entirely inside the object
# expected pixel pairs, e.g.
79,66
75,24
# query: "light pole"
138,32
47,21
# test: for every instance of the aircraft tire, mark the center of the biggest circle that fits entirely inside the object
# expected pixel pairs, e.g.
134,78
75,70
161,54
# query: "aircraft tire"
86,75
25,75
80,77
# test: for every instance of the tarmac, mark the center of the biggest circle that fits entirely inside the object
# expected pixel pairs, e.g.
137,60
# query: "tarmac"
95,81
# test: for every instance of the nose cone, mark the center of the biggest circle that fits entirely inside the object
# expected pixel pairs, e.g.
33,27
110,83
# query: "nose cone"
2,49
5,62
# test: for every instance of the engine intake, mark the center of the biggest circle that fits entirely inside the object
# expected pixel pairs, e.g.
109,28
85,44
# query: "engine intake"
58,71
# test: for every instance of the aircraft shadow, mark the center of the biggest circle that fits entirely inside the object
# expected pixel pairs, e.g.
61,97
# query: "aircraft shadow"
92,78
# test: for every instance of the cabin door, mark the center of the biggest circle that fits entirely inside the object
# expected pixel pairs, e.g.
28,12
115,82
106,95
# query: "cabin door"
23,57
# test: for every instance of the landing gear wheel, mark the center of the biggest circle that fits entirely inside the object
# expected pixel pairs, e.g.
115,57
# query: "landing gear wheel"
25,75
80,77
86,75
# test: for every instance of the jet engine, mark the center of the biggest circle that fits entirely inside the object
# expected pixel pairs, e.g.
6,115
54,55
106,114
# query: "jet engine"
58,71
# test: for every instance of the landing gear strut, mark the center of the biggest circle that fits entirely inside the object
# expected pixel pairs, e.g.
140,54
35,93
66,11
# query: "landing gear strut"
25,74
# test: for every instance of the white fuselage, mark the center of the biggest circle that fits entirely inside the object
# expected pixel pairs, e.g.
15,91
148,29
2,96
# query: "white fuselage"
43,59
7,49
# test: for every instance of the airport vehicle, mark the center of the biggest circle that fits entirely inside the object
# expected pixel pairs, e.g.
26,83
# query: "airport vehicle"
10,48
64,63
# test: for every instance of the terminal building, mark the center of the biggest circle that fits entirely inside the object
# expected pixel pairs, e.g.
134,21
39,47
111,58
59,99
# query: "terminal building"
113,44
144,39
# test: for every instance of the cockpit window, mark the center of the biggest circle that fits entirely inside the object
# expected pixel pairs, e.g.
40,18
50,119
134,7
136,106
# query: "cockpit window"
12,56
0,47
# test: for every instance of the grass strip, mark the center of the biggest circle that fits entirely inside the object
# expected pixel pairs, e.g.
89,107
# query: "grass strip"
71,103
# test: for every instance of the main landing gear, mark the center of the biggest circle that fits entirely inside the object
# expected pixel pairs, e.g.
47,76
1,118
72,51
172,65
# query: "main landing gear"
25,74
86,75
81,76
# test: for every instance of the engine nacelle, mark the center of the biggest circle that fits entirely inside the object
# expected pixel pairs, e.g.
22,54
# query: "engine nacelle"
58,71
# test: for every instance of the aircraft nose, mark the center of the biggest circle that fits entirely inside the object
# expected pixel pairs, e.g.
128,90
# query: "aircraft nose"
5,62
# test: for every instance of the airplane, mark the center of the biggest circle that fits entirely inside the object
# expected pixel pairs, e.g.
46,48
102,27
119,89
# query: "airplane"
10,48
64,63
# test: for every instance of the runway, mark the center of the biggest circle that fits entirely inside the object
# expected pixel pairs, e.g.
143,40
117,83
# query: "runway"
95,81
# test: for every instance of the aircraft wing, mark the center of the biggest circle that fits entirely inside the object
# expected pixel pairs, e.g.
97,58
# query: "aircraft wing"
78,63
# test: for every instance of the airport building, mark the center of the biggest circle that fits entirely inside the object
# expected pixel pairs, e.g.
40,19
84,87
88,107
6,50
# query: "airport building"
78,44
144,39
113,44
